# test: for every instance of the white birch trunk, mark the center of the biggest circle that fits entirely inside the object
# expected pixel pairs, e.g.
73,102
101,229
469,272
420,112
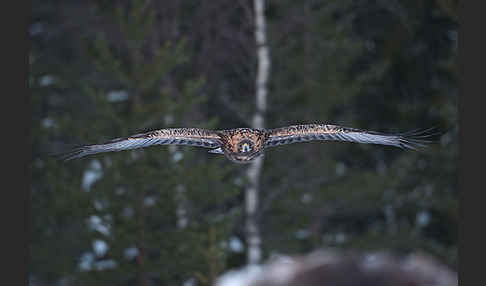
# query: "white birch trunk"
254,170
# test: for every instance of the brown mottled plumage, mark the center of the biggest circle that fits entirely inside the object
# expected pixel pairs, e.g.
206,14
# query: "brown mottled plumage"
242,145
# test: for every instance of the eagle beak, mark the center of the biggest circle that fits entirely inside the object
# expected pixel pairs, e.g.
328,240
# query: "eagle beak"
216,151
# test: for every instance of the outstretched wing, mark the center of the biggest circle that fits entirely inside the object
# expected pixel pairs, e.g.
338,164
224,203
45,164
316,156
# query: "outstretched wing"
313,132
176,136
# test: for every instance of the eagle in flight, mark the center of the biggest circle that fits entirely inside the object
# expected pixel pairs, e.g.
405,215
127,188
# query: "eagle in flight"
242,145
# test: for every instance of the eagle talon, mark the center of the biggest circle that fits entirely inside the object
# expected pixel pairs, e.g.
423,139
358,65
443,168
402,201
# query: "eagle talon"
216,151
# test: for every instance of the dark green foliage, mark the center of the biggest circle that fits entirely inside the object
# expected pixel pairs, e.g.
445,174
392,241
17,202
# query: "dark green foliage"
372,66
135,196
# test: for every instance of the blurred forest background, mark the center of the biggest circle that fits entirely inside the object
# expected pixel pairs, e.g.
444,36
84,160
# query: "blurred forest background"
174,216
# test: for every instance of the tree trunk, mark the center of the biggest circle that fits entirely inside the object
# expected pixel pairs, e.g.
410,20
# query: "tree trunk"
254,170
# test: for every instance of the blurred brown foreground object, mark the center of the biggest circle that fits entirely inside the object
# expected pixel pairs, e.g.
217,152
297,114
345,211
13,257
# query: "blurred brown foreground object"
338,268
